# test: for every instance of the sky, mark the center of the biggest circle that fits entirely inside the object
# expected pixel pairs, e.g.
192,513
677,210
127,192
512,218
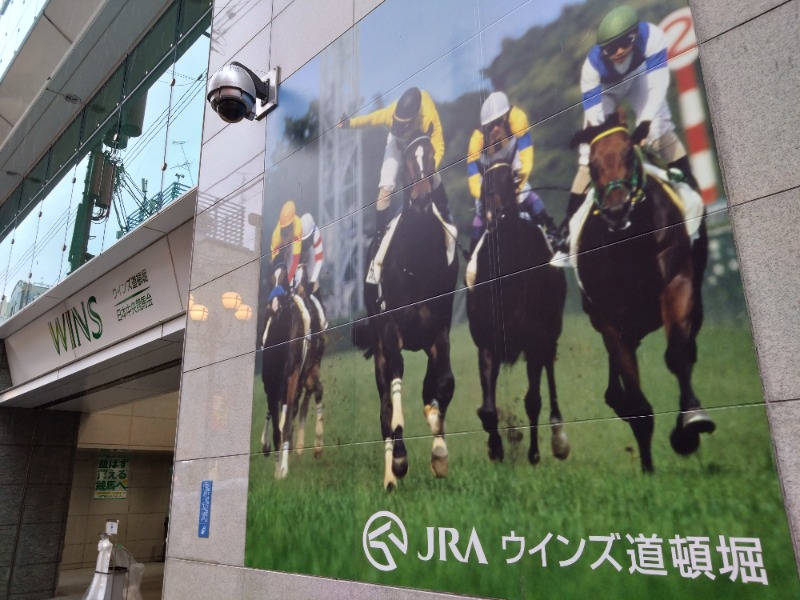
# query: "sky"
390,51
397,40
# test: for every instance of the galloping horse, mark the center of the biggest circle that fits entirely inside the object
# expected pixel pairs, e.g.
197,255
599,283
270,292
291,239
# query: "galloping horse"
640,270
515,307
417,284
293,345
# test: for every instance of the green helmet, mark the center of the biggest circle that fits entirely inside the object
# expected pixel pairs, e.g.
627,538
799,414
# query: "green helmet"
617,23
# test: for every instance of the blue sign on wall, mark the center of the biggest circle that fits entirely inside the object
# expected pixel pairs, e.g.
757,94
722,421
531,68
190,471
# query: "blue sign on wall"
205,509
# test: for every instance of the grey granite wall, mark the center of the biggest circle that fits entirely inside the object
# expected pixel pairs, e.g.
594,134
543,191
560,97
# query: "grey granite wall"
748,54
37,448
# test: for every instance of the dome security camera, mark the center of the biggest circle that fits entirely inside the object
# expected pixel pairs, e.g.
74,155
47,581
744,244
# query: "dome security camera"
236,93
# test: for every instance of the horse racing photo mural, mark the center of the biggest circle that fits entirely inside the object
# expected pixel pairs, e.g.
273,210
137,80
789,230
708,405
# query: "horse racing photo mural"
472,207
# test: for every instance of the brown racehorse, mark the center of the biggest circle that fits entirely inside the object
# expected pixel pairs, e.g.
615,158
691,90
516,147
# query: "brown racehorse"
293,344
639,270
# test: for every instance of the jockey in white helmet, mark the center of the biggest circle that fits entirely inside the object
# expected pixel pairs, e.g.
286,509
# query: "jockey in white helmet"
504,134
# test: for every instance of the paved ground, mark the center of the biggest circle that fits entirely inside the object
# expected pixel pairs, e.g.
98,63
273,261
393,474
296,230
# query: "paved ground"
73,583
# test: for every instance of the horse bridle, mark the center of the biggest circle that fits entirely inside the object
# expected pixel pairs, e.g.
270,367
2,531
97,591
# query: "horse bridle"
633,186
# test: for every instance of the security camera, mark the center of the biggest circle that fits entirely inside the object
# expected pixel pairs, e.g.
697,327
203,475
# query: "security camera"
236,93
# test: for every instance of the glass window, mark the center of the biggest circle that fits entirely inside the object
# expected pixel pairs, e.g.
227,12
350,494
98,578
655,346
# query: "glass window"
138,147
104,103
66,146
51,252
191,11
19,267
186,114
140,161
151,51
8,215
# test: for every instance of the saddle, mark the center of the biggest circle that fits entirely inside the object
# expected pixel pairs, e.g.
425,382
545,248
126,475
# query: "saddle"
375,267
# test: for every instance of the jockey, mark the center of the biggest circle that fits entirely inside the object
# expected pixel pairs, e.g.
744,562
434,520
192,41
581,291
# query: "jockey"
628,62
287,239
413,114
311,253
504,129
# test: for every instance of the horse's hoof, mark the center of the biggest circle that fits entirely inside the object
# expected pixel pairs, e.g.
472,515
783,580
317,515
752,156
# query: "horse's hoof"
533,456
439,458
318,448
390,485
280,472
266,450
697,421
400,467
559,442
684,441
399,459
301,441
496,452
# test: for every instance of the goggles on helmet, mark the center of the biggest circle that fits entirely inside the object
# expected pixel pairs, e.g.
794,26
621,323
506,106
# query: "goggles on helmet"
621,43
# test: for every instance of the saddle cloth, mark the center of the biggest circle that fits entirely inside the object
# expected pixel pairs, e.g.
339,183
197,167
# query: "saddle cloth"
682,195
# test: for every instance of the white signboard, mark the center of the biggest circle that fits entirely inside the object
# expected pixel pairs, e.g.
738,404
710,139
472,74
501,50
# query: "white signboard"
131,298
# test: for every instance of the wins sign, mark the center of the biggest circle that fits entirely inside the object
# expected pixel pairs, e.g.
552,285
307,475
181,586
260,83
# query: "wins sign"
68,328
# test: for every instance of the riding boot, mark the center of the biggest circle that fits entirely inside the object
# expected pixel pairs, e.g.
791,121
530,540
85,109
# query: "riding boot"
685,167
575,201
371,288
382,218
545,221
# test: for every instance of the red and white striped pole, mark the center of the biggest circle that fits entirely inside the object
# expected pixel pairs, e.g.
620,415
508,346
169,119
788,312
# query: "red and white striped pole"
682,53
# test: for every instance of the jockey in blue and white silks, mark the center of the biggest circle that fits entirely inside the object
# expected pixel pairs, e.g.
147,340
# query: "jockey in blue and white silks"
628,62
640,76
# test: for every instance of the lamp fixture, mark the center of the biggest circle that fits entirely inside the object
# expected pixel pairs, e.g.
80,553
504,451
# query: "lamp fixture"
231,300
198,312
243,313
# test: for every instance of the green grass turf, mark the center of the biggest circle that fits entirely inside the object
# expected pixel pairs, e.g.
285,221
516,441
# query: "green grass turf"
312,522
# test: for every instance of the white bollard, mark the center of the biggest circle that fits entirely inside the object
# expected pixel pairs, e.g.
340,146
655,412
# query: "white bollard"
101,583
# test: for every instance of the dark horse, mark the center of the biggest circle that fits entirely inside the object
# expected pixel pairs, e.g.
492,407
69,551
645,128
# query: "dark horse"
416,289
649,280
293,345
514,308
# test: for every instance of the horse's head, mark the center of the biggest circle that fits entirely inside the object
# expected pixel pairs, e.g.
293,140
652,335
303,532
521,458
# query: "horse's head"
418,169
616,168
280,275
498,191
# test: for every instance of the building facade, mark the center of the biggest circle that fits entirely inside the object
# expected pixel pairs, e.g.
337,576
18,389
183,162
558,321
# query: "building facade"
168,202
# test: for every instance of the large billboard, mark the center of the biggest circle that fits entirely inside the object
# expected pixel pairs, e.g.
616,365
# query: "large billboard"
475,211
